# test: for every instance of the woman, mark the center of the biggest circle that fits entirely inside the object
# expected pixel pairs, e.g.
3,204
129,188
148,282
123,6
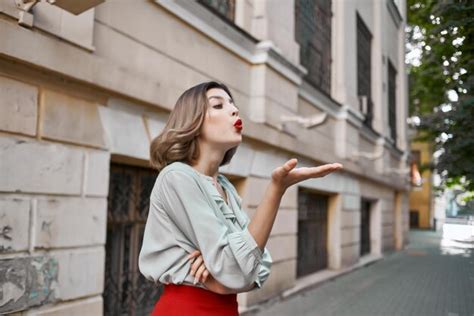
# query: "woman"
197,240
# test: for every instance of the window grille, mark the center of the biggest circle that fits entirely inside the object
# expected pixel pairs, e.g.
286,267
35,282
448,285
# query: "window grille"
126,291
312,232
313,33
223,8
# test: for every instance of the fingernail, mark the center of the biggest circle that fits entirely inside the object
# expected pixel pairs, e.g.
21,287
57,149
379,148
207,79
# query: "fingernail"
195,281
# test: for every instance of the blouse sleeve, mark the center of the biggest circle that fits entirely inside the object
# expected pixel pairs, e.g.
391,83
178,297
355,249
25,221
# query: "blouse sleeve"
266,262
265,268
232,258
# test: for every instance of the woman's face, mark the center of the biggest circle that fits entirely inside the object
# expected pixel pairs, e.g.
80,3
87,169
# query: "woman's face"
222,125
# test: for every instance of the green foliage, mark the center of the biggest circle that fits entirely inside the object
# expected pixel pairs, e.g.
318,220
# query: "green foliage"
441,83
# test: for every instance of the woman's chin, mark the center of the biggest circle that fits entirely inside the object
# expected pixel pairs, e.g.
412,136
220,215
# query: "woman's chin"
234,143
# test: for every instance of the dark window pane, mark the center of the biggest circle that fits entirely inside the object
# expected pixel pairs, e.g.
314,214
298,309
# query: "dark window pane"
365,227
223,8
364,58
312,232
392,105
414,219
313,34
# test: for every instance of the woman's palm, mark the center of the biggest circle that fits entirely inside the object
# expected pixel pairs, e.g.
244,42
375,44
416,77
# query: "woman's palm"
287,175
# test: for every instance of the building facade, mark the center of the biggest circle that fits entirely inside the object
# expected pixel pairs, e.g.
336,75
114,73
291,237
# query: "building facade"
81,97
422,197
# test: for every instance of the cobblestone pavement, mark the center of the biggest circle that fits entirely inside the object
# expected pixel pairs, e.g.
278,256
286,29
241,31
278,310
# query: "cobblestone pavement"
430,277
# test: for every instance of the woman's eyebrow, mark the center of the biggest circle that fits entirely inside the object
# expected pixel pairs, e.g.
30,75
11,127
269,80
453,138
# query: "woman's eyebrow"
219,97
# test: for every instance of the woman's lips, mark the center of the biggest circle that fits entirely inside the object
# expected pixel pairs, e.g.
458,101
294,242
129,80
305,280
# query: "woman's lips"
238,124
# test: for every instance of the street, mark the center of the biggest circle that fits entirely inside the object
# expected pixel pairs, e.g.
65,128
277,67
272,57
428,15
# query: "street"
431,276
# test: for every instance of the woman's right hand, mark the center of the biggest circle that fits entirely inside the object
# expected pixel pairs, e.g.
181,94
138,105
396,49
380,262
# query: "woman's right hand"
201,274
198,269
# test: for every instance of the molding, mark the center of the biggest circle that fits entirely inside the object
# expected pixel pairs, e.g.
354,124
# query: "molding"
233,38
394,150
319,100
370,134
394,13
355,117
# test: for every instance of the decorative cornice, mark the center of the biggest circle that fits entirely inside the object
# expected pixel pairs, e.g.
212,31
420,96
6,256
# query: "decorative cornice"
319,100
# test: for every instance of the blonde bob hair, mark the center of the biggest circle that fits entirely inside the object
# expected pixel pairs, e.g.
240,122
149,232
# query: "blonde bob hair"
178,140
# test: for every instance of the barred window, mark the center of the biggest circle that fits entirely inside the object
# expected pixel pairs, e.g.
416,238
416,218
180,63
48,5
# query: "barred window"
126,291
313,34
364,80
392,104
223,8
312,232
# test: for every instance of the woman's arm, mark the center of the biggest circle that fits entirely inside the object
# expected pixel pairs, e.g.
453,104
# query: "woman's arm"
201,274
261,224
282,178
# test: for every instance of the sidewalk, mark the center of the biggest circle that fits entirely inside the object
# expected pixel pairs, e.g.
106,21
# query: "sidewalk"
430,277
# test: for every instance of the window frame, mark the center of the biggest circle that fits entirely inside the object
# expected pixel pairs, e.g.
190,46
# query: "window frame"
318,47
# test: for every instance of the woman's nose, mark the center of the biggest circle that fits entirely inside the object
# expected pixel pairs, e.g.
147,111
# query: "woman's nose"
235,112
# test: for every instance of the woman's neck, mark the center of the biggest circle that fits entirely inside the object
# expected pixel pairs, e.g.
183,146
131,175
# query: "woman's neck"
208,162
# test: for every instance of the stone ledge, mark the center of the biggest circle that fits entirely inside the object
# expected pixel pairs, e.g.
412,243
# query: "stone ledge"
87,307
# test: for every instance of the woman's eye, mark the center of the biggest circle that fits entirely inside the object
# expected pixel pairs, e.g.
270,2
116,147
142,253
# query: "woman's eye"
217,106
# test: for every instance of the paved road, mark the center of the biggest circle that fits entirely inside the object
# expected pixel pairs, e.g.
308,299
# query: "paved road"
429,277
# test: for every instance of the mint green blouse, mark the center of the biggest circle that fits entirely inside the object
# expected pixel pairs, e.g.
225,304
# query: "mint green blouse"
187,213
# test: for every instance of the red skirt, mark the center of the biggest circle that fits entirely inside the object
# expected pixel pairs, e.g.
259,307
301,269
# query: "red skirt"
179,300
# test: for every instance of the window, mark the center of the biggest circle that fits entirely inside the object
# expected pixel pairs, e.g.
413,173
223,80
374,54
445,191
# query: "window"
313,33
365,206
126,291
364,80
414,219
392,104
223,8
312,232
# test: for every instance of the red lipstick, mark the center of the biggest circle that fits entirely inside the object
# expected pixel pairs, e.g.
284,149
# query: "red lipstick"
238,124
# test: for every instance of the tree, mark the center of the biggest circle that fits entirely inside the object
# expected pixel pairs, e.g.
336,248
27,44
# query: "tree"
440,61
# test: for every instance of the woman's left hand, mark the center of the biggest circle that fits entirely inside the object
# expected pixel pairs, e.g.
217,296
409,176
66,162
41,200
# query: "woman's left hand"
287,175
198,269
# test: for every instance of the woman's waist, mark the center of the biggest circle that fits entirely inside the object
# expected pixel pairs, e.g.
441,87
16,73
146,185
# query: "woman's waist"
197,294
